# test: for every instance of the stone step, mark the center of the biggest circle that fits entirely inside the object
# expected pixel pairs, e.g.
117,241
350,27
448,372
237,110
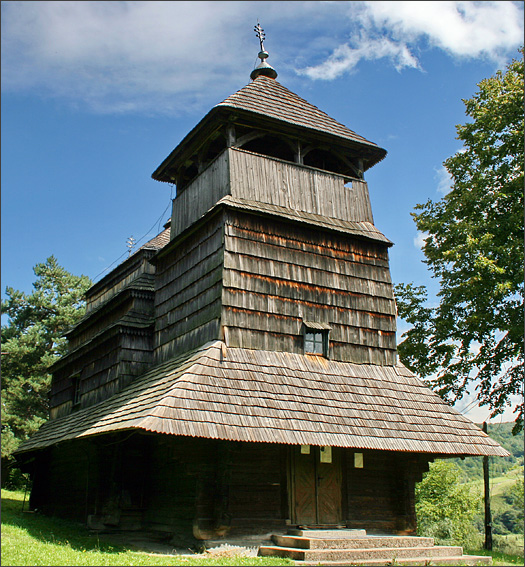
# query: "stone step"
352,542
327,533
384,553
416,561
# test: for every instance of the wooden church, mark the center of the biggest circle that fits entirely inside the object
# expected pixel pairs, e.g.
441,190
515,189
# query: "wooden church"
238,373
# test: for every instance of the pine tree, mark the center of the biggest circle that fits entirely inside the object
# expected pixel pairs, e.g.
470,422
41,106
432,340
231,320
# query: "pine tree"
32,340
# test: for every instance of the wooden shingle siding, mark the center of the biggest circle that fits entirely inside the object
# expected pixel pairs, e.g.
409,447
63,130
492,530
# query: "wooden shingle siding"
366,255
252,177
364,230
290,273
282,306
279,397
188,291
300,188
134,307
276,276
104,368
184,343
116,281
207,311
325,255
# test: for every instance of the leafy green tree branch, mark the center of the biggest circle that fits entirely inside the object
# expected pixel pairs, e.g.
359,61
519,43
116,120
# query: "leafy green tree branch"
474,248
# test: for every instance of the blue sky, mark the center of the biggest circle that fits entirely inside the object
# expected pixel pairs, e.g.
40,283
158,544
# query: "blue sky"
96,94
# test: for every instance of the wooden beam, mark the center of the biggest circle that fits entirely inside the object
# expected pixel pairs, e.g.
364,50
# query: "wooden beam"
249,137
486,481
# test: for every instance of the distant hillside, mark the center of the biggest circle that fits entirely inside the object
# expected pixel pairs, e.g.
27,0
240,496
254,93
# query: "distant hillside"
502,433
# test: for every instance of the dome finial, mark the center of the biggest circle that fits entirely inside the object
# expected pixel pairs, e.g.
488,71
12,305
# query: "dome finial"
263,68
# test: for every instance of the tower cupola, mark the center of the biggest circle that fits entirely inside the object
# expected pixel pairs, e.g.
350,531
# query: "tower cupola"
263,68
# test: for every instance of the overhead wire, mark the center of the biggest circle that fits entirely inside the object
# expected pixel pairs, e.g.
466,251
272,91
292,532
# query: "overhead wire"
469,407
155,224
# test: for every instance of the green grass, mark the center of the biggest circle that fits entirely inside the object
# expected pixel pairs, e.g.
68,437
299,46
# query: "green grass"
32,539
498,558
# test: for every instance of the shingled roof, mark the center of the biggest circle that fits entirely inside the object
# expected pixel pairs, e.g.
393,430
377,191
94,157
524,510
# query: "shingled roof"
158,241
276,397
268,97
265,98
357,228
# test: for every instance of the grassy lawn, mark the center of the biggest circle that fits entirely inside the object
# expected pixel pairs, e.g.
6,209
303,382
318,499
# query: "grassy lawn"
31,539
498,558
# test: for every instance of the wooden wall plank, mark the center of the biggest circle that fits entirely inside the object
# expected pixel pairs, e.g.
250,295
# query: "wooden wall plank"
201,194
188,292
297,187
271,288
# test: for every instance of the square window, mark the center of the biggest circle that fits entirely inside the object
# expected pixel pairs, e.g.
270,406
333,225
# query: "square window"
315,336
313,342
316,342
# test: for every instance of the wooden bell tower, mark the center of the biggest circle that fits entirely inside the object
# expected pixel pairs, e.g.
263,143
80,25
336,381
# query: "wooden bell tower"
273,245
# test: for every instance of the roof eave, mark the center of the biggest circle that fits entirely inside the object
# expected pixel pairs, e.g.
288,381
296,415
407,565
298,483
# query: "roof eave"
222,114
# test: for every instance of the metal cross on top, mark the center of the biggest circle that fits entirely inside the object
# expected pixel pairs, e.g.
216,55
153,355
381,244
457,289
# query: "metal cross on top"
263,68
260,34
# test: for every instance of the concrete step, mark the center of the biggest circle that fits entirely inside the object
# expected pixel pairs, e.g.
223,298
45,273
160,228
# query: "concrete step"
361,542
327,533
416,561
385,553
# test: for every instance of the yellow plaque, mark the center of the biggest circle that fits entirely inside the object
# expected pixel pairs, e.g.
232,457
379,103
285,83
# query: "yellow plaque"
305,449
358,460
326,454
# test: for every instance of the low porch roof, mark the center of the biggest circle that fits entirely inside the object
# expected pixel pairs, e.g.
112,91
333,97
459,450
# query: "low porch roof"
279,397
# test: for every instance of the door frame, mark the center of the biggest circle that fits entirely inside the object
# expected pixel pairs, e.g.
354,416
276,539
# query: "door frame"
338,461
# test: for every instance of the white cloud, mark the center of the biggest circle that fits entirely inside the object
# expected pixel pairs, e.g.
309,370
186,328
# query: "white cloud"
112,55
344,58
443,179
419,240
174,56
396,29
468,29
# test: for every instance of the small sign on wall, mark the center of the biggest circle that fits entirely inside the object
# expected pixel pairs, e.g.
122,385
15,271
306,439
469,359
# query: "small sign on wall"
326,454
358,460
305,449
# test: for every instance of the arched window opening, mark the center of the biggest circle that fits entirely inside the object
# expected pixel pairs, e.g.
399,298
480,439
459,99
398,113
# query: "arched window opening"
322,159
271,146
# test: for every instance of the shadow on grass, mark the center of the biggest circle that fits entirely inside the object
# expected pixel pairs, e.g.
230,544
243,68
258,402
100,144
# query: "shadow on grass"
49,529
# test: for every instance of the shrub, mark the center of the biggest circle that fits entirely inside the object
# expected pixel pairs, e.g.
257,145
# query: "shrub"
446,508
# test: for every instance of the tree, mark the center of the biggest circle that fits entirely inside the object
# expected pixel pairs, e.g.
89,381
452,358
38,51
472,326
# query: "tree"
32,340
445,508
474,247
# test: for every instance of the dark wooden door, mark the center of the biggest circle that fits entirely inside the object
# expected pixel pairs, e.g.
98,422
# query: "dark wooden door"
316,488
